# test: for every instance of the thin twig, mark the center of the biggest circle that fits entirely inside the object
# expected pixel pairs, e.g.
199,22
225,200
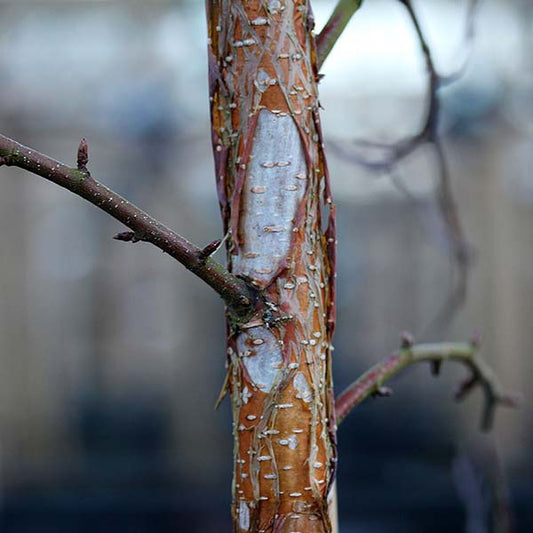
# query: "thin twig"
236,293
428,131
371,382
428,135
332,30
467,45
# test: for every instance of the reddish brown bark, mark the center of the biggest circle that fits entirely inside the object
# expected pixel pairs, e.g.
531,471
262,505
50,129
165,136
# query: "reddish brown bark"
273,189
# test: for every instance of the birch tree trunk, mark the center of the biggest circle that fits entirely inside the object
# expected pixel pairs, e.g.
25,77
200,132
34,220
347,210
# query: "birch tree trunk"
276,206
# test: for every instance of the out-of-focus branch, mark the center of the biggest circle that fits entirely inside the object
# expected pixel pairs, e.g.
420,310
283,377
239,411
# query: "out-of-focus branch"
428,132
467,45
236,293
372,381
326,39
428,135
480,481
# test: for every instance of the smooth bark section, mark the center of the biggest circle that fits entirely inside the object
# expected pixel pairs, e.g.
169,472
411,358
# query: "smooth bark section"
371,382
236,293
274,187
261,356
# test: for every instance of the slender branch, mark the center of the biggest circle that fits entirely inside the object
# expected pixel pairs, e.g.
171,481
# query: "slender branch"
345,9
236,293
371,382
428,131
326,39
428,134
467,44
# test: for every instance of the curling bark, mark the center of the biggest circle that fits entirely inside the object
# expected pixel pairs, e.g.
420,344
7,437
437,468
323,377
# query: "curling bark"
274,195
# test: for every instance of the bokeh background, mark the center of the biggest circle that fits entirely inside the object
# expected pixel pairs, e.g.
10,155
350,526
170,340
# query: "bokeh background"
112,355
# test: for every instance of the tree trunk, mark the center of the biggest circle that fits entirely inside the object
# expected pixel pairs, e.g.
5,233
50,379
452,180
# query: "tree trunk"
274,194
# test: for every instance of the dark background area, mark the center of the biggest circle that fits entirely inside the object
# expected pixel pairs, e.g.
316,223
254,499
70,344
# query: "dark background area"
112,355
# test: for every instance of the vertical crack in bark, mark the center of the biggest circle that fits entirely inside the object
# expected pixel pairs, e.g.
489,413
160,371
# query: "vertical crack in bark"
273,185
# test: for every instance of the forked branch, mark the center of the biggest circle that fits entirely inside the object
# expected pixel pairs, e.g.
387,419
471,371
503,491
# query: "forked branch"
372,381
428,135
236,293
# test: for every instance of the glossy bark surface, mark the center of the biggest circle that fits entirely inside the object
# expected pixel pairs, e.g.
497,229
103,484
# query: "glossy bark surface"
274,195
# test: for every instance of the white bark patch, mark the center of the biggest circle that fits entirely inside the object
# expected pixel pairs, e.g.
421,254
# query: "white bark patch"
302,387
244,516
245,395
272,192
263,80
263,359
274,6
293,442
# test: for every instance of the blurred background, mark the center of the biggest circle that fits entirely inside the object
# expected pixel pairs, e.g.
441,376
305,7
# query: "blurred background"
112,355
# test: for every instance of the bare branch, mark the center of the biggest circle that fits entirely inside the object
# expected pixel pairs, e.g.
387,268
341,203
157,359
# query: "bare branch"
371,382
428,131
345,9
466,45
428,134
326,39
236,293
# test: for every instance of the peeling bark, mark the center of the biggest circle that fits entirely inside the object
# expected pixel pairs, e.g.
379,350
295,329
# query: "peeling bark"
274,193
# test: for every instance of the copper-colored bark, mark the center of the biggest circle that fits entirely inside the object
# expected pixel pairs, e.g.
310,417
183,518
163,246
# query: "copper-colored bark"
261,57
